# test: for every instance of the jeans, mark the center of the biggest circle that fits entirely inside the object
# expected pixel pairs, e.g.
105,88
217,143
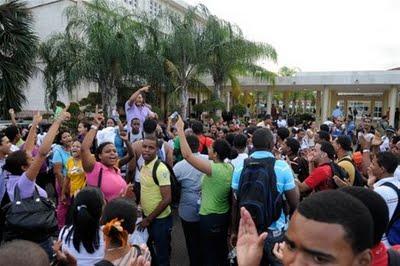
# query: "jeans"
160,240
214,239
192,237
47,245
268,256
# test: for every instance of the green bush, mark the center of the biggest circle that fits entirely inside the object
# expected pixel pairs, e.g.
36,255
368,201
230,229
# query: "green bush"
238,109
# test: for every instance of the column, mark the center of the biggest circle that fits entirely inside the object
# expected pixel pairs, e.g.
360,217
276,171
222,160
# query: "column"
228,101
270,96
392,104
318,105
325,103
385,102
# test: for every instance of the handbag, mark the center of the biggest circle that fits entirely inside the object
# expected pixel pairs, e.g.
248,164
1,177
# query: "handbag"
30,218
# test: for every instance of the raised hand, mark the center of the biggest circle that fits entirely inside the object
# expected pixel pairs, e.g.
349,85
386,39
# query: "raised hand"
145,88
249,245
64,115
124,136
278,250
37,118
179,124
98,119
11,112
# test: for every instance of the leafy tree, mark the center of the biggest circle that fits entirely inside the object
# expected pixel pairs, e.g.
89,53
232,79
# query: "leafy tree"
229,55
18,45
184,52
100,45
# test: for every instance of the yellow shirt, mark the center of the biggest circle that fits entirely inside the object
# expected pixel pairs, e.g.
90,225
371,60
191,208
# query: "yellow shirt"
76,175
348,167
150,194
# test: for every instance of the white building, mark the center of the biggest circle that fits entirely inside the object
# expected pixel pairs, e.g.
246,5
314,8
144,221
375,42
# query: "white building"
49,18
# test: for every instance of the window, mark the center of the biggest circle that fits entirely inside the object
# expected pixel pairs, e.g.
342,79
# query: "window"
378,109
154,8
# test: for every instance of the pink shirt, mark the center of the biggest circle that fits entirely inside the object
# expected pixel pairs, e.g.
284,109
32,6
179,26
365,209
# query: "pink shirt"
112,183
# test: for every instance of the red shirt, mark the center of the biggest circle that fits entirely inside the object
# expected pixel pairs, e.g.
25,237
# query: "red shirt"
204,142
380,255
320,178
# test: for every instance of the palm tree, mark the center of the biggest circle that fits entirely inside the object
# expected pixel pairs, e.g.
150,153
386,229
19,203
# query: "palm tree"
229,55
185,55
100,45
18,44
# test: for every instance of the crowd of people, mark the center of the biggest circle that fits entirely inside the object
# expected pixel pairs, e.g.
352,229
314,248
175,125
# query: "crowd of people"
247,192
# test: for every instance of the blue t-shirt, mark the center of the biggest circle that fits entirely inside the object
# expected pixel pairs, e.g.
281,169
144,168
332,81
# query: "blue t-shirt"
284,182
61,156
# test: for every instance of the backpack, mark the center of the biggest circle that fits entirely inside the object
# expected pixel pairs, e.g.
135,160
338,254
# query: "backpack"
175,185
338,171
393,229
393,257
258,192
358,179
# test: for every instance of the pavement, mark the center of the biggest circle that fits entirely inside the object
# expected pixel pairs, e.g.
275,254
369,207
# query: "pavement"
179,255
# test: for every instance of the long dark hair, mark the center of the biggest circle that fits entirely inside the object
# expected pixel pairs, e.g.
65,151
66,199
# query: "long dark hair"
86,213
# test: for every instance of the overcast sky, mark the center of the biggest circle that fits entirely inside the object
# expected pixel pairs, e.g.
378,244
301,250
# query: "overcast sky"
319,35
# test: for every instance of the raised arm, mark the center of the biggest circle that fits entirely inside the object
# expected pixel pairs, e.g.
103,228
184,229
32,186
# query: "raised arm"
124,136
133,97
12,116
30,140
44,149
88,161
198,163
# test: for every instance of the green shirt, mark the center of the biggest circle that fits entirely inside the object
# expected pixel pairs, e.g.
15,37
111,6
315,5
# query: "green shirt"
177,150
216,189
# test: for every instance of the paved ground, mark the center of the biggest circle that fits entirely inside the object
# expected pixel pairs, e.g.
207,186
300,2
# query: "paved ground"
179,256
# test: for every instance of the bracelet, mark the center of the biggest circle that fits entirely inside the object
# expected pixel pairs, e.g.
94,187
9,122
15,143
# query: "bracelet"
94,127
366,150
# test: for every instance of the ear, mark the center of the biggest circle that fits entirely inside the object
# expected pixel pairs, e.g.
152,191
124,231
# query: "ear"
364,258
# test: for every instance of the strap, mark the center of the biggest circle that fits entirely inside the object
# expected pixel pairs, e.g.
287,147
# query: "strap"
100,177
154,172
396,214
393,257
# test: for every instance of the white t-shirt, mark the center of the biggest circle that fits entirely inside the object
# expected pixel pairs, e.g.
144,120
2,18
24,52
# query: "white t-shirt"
281,123
83,258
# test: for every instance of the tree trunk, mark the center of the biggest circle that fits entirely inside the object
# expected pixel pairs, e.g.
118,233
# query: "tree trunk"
217,96
184,102
109,96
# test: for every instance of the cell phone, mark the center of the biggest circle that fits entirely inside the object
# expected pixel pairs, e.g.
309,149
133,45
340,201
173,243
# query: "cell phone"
174,115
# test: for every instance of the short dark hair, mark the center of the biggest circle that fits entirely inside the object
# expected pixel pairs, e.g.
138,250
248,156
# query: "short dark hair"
149,126
388,161
376,206
283,133
33,254
240,141
293,144
229,138
223,149
291,122
336,207
267,116
11,132
122,209
15,161
193,142
394,140
263,139
328,148
324,127
197,127
344,142
324,135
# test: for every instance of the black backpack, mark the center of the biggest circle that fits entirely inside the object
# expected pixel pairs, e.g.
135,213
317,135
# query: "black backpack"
358,179
393,257
338,171
258,192
175,185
